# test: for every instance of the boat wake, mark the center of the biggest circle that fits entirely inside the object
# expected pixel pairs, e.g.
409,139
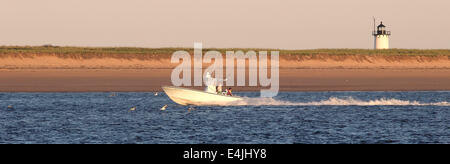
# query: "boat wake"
335,101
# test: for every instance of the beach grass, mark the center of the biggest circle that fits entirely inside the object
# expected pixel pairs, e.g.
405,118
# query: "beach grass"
104,51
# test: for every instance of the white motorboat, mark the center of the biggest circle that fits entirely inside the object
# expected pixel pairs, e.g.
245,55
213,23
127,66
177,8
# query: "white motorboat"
185,96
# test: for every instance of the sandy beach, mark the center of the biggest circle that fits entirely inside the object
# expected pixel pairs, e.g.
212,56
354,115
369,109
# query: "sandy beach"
143,80
140,73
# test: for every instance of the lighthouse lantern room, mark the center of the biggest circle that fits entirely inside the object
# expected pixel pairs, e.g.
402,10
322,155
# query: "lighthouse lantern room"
381,36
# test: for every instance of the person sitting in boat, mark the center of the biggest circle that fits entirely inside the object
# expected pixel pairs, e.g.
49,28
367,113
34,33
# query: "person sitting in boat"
229,92
213,85
219,89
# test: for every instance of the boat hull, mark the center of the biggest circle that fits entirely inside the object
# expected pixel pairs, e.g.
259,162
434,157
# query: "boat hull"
184,96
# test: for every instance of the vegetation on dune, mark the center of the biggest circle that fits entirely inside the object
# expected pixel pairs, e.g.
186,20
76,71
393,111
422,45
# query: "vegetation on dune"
134,52
83,50
389,52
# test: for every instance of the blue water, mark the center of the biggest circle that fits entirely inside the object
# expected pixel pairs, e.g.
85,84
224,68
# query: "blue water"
291,117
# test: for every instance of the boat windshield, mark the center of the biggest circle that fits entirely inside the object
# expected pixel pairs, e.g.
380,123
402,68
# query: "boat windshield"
210,83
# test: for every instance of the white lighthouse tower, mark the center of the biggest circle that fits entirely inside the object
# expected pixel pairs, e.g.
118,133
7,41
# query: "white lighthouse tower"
381,36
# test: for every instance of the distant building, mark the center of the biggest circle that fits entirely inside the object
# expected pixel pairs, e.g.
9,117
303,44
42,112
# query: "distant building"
381,37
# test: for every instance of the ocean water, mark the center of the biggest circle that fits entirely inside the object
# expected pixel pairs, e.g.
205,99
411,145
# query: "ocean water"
291,117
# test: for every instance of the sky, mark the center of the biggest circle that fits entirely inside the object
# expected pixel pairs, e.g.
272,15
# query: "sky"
282,24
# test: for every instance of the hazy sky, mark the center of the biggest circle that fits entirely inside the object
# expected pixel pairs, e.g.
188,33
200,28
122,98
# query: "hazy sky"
286,24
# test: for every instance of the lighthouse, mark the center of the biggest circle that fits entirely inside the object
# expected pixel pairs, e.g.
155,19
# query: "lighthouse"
381,36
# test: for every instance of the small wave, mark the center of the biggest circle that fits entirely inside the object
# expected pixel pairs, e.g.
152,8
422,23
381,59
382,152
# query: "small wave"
336,101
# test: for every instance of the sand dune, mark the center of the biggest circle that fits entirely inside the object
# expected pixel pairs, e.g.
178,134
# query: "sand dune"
364,61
